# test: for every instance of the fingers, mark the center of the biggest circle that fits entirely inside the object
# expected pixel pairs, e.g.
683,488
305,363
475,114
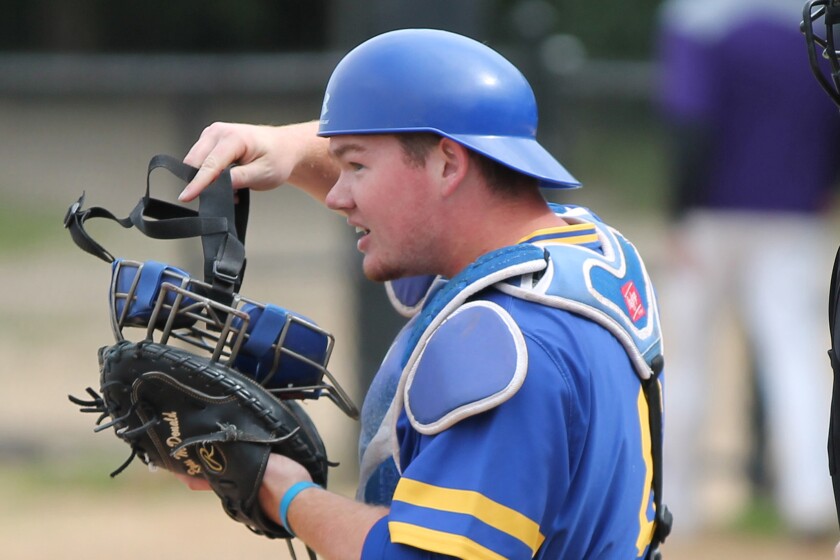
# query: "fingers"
193,482
216,149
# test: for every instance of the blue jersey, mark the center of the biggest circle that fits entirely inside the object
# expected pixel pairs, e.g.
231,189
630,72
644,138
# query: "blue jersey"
559,466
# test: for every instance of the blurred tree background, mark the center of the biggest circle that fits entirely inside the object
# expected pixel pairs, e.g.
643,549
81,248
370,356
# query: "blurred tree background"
211,26
154,26
589,63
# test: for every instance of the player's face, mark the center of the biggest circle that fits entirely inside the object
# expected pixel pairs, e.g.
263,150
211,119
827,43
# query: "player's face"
391,204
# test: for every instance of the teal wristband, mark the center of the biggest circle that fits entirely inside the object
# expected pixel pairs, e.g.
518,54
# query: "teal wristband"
290,495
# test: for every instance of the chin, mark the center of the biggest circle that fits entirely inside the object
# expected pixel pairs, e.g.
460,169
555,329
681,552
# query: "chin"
376,274
379,273
379,276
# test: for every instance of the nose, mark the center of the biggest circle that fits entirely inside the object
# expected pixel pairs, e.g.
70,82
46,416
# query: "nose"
339,196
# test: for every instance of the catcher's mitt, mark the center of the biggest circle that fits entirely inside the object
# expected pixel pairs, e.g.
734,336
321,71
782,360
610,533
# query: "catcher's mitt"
193,416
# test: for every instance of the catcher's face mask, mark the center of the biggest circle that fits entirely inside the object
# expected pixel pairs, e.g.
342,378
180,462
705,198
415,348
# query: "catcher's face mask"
283,351
823,43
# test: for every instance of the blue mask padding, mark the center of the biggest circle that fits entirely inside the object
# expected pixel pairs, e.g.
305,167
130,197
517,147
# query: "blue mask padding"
152,275
256,356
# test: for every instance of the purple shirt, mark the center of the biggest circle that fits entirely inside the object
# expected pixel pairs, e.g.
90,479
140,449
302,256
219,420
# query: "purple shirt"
775,135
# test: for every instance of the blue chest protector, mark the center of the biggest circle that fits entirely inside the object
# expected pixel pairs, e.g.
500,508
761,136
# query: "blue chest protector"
610,287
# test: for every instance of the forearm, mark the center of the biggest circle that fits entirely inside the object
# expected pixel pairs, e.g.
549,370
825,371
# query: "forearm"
332,525
315,171
265,157
338,528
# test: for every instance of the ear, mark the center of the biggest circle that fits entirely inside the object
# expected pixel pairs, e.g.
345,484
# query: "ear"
454,164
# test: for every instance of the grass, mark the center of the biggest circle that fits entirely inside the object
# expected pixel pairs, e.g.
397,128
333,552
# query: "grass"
759,518
26,225
86,473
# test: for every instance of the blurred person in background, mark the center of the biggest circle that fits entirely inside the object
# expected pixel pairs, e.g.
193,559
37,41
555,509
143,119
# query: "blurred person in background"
753,167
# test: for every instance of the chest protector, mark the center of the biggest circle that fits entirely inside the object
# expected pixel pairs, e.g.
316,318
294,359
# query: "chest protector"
610,287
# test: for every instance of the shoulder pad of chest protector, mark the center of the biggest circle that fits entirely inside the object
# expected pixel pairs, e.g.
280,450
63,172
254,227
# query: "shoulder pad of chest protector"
474,361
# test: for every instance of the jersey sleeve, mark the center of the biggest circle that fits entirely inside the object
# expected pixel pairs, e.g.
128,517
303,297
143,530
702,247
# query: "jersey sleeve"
378,545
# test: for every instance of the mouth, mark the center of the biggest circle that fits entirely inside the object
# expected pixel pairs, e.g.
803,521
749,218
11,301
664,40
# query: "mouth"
362,238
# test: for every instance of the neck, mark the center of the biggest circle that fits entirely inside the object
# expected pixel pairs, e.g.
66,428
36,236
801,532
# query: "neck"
496,223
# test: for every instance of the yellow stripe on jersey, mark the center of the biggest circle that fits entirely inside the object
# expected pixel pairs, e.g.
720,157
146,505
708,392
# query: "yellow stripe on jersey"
471,503
440,542
645,524
576,234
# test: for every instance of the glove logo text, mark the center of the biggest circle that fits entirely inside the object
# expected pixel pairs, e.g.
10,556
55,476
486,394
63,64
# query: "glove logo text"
212,458
174,440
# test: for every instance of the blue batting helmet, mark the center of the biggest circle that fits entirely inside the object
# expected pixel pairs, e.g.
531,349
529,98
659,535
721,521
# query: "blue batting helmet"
426,80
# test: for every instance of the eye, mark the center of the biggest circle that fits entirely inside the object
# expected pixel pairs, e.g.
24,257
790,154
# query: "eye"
355,166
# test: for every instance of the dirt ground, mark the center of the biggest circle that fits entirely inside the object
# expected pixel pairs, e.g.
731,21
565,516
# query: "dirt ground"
129,526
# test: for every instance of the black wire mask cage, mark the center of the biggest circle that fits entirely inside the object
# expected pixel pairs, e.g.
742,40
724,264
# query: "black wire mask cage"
284,351
819,18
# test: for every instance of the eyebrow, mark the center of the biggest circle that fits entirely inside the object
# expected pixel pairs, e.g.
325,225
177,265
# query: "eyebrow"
343,149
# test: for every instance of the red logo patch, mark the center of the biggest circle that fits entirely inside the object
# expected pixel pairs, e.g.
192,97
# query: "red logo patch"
633,301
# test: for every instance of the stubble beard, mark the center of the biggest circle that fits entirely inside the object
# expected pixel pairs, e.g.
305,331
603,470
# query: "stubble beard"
378,272
383,270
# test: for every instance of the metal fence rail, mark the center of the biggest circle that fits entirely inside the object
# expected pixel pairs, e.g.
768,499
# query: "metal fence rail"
258,74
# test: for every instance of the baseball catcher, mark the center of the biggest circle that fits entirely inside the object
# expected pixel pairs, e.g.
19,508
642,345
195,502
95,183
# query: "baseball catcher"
214,383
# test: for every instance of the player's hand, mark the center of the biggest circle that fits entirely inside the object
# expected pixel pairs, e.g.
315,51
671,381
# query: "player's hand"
193,482
266,157
262,163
